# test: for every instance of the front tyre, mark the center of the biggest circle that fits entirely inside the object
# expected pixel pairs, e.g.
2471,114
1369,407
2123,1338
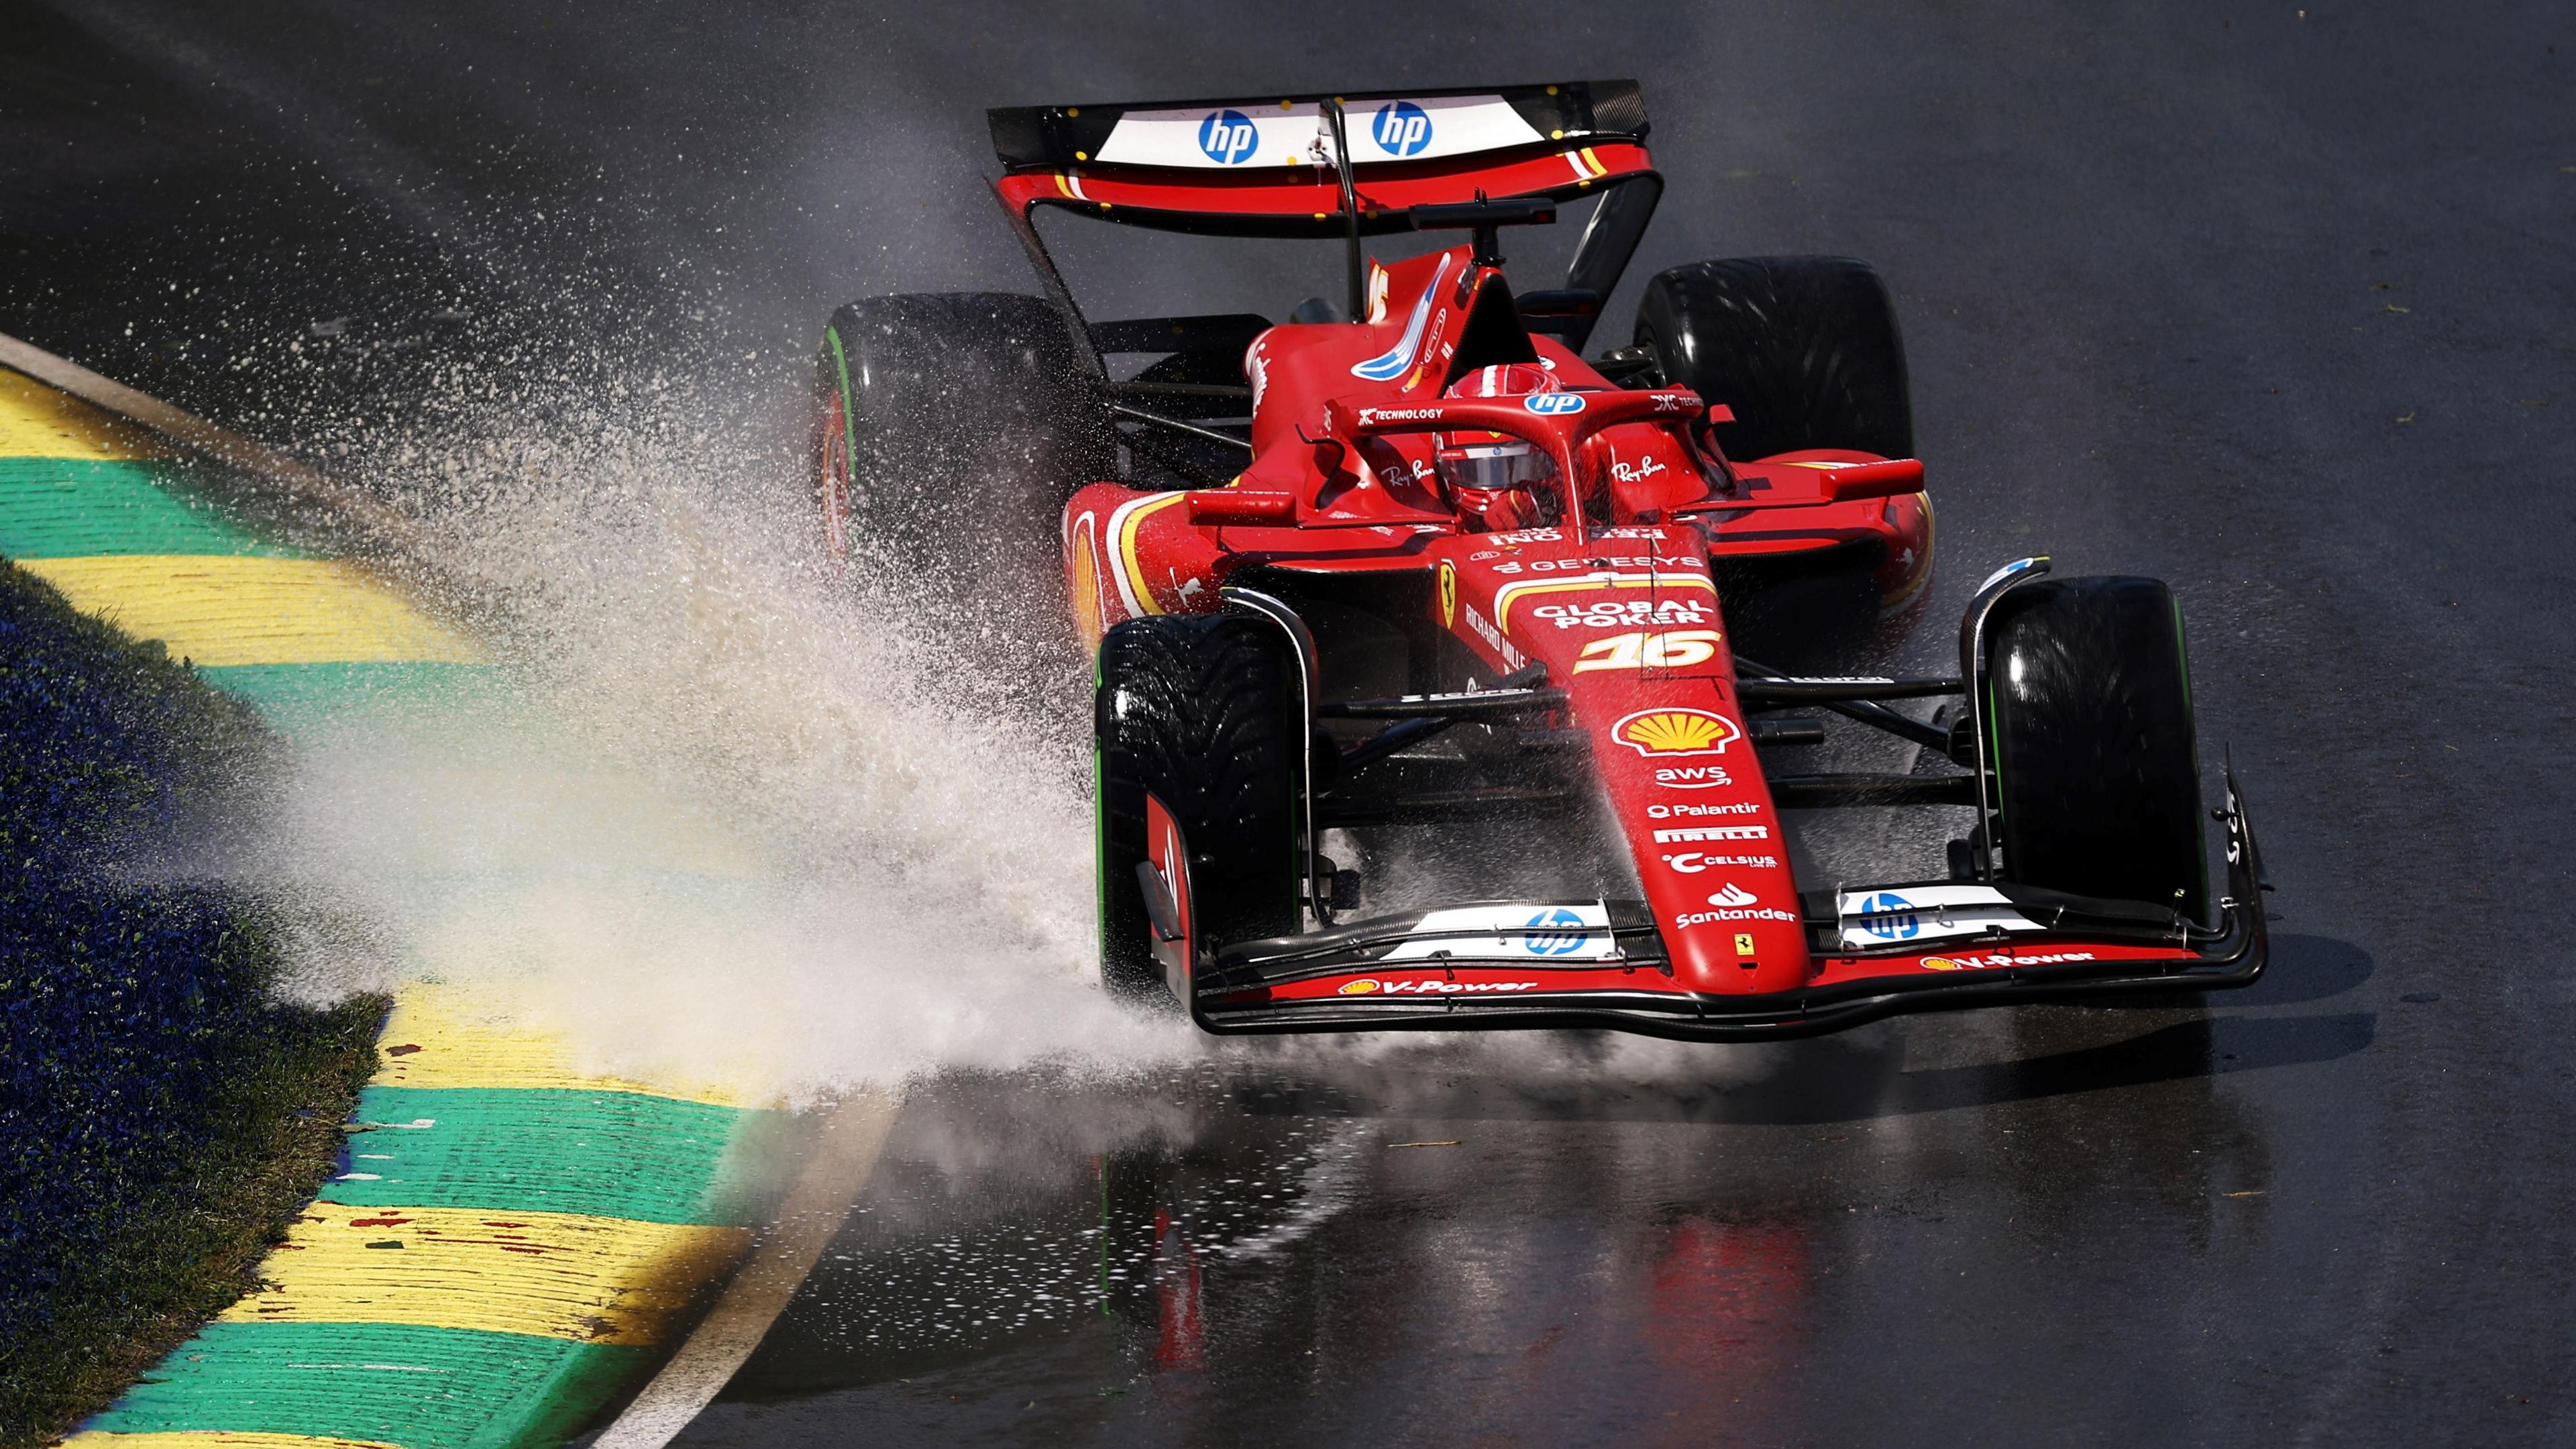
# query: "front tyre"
1200,728
2097,770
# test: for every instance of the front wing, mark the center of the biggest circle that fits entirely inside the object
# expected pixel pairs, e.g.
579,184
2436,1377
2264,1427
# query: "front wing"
1600,964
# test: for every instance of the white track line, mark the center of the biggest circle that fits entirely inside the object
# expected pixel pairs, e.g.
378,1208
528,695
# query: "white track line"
844,1154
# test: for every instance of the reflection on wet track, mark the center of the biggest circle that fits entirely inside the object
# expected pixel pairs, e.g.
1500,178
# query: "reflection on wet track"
1461,1240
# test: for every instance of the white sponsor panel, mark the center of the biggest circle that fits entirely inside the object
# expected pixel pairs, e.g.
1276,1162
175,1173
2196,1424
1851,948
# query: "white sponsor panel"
1254,133
1883,917
1516,933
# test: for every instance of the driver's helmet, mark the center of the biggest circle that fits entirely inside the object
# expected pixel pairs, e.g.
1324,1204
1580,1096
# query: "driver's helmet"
1490,473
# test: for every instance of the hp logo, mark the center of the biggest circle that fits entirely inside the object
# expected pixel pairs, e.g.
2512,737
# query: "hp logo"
1559,932
1892,916
1229,138
1551,404
1401,129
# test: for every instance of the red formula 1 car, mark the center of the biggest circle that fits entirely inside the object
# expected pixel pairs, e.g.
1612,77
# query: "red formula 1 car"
1413,581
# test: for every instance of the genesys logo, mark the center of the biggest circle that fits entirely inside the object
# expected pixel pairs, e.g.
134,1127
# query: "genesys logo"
1400,129
1692,862
1988,963
1693,777
1553,404
1688,808
1229,138
1371,986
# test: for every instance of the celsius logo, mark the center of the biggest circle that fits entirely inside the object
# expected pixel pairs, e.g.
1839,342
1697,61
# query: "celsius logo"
1549,404
1889,916
1228,138
1559,932
1401,129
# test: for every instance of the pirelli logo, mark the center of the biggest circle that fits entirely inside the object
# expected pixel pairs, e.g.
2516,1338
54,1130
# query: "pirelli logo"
1712,832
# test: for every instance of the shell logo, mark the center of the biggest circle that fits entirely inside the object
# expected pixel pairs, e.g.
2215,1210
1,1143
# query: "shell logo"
1942,963
1448,594
1675,732
1363,987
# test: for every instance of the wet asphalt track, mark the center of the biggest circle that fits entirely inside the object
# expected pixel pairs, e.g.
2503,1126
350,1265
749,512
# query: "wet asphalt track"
2275,307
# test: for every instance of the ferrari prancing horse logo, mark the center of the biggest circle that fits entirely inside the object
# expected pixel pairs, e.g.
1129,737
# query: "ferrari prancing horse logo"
1448,594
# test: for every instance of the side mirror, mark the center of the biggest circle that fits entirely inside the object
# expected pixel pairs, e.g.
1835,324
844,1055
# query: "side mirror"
1894,478
1218,507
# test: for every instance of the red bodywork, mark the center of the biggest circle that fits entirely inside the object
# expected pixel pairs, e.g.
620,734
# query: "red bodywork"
1616,600
1619,606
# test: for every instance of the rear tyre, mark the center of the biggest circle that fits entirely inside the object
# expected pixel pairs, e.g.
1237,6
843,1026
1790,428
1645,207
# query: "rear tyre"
2097,768
1201,712
950,429
1805,350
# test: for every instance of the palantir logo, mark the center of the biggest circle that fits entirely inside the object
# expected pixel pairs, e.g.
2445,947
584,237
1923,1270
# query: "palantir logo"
1547,404
1401,129
1559,932
1228,137
1889,916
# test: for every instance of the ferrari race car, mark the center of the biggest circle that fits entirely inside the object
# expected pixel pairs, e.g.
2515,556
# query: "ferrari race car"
1410,579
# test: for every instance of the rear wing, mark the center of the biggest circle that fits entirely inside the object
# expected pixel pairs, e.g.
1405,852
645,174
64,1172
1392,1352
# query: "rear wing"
1268,166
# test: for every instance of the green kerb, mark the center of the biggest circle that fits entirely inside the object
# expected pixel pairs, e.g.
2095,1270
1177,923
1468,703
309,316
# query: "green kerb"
70,508
607,1154
296,696
423,1388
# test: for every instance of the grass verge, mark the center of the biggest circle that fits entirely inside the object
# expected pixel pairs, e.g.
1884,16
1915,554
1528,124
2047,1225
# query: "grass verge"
162,1117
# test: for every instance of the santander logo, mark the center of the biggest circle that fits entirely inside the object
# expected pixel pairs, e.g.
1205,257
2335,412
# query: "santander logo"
1731,894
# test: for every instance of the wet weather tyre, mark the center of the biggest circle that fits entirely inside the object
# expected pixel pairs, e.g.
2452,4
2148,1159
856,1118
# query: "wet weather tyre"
2097,770
1203,713
950,428
1804,350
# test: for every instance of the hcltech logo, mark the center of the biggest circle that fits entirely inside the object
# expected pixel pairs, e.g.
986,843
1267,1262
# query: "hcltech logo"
1401,129
1549,404
1559,932
1889,917
1229,138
